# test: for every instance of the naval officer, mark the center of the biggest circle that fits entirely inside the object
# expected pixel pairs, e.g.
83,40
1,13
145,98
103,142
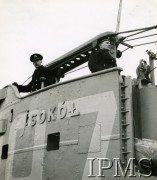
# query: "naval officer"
102,58
40,74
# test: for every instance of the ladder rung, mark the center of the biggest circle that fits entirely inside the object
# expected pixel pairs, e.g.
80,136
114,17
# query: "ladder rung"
125,124
122,94
127,138
126,152
125,86
124,98
124,111
122,108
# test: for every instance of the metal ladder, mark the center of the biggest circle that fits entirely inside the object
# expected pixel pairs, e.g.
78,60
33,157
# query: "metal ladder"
126,121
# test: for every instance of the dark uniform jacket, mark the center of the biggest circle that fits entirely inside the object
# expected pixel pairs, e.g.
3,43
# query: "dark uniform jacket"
100,60
35,84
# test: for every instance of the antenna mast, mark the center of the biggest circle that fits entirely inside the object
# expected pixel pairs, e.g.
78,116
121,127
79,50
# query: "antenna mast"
119,16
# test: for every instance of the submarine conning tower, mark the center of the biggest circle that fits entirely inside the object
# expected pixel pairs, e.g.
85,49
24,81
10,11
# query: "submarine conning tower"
61,127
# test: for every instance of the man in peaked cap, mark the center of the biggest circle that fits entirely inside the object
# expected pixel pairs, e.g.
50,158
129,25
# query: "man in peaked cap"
103,57
40,74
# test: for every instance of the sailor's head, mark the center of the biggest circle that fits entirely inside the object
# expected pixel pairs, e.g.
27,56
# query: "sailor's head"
143,62
36,59
104,44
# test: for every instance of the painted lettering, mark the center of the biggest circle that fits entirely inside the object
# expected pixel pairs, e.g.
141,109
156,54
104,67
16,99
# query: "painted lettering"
62,111
51,116
42,117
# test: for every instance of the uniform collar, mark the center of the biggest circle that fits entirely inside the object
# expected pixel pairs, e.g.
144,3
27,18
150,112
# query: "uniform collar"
39,67
103,51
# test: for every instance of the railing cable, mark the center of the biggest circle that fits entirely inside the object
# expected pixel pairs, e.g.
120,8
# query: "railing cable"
141,37
26,80
147,28
144,43
139,45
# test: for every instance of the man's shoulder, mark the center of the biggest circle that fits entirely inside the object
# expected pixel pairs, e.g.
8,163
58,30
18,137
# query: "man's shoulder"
95,54
43,68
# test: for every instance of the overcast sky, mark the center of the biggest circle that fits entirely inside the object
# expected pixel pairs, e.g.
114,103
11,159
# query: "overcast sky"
54,27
